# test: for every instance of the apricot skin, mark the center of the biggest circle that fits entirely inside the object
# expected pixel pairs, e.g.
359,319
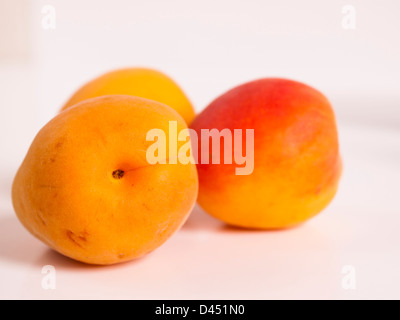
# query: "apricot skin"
297,165
140,82
69,193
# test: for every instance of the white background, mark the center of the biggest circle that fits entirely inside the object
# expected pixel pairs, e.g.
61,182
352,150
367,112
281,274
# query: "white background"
209,47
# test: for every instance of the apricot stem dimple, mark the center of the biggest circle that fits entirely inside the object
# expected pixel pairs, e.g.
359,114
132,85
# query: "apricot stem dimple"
118,174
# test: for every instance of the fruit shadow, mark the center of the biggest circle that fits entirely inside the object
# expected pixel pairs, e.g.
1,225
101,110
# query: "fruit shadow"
199,220
52,257
5,186
17,245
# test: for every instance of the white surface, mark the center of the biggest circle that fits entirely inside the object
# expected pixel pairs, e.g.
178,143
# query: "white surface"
209,47
207,259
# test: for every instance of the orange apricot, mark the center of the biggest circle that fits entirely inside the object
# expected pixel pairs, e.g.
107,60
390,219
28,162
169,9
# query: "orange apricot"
86,189
140,82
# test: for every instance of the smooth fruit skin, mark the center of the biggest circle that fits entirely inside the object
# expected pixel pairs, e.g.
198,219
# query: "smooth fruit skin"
66,195
297,165
140,82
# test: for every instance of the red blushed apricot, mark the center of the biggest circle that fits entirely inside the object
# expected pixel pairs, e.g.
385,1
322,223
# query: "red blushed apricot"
297,165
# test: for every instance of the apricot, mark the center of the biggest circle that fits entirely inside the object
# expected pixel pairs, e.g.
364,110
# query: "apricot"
86,189
140,82
296,158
